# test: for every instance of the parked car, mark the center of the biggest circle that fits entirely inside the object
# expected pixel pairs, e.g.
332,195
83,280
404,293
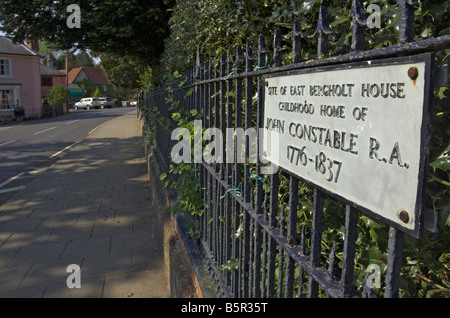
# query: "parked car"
88,103
106,102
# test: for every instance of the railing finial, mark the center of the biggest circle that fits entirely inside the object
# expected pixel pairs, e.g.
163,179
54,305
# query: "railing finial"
296,42
358,22
323,29
277,48
406,26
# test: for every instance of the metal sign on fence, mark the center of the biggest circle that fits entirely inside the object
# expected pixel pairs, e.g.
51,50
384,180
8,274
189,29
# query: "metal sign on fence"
359,131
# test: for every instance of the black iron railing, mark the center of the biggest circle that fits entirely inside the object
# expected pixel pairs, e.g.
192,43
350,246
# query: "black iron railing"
245,220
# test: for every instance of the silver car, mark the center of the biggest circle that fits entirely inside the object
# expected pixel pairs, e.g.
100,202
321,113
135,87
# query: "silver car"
106,102
87,103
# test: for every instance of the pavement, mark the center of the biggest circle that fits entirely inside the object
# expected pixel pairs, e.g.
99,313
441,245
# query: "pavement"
92,209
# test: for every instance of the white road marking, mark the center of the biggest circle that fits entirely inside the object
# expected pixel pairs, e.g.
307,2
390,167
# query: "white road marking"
12,189
38,171
6,128
67,148
12,179
7,143
42,131
96,128
71,122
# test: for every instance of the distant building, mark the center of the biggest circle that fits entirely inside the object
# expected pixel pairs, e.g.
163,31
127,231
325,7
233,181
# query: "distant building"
50,77
77,74
20,79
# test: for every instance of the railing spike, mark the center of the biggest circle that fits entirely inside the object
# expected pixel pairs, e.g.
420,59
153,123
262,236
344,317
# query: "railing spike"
277,48
249,56
406,25
358,22
296,42
239,55
323,29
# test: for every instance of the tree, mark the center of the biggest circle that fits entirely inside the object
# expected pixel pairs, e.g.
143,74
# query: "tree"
83,59
57,95
87,86
121,71
133,27
97,92
54,100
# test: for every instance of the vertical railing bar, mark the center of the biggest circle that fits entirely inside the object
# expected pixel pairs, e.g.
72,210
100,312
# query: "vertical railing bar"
273,211
205,126
264,251
293,184
247,192
241,269
198,165
252,258
292,234
394,263
211,178
246,263
238,164
300,270
259,186
331,259
348,258
230,146
223,120
217,222
281,256
221,225
323,29
248,119
316,237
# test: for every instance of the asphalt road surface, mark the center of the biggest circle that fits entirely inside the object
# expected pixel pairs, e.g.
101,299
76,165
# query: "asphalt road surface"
28,148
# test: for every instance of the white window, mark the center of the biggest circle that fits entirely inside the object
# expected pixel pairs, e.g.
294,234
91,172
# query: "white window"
5,67
9,97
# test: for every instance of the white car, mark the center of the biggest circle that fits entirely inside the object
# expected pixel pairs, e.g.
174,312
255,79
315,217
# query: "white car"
87,103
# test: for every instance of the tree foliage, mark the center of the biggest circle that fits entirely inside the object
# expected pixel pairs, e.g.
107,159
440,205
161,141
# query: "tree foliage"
121,71
131,27
57,95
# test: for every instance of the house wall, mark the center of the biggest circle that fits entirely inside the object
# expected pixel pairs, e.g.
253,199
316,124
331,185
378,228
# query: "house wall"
55,80
26,72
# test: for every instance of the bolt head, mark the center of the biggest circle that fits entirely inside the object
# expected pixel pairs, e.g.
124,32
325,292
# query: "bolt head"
413,73
403,216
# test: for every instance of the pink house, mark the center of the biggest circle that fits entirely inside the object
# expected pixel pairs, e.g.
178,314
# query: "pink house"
20,79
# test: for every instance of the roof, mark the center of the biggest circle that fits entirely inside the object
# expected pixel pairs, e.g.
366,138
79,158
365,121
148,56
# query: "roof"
7,46
50,71
95,75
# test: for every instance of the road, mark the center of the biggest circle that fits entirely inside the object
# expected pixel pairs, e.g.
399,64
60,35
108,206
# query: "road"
28,148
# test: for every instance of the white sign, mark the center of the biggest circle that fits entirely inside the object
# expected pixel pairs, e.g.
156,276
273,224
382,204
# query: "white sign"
357,132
